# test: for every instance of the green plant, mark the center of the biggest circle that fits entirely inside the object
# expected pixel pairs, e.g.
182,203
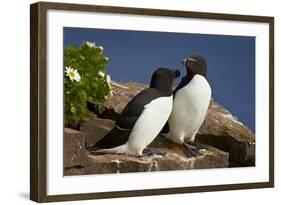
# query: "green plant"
85,81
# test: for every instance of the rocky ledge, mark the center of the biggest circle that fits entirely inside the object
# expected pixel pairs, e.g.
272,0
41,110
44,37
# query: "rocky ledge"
232,143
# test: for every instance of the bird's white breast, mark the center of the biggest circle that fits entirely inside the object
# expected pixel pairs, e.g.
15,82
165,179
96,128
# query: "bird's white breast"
150,123
189,108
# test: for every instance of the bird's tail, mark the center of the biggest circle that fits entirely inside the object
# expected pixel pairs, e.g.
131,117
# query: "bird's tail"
115,141
123,149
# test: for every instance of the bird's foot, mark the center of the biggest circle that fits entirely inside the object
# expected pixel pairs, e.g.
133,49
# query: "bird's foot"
153,151
191,151
199,145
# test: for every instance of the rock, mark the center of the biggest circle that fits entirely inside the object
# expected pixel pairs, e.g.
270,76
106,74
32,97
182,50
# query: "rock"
175,159
96,128
232,143
222,130
74,150
121,96
110,113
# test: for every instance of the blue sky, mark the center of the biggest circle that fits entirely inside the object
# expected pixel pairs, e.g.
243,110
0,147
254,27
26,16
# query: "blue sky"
134,55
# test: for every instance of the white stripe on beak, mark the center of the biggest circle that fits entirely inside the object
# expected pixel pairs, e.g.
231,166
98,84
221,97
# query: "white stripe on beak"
184,61
191,59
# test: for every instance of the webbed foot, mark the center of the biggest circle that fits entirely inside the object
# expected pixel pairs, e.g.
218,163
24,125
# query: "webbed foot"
199,145
191,151
153,151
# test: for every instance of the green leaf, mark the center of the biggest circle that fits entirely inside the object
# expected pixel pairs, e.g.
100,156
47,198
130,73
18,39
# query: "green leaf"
91,88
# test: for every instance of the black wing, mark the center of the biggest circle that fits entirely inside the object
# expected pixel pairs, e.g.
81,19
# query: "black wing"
113,138
120,134
134,108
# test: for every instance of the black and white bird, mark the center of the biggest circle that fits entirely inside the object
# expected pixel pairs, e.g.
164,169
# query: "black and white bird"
142,119
191,101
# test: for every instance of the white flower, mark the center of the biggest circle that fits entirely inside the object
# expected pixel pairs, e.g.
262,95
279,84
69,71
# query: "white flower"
90,45
111,93
72,74
101,48
106,58
77,76
72,109
101,74
108,79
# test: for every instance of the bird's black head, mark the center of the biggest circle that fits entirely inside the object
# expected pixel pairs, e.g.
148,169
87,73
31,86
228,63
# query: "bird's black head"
195,64
162,79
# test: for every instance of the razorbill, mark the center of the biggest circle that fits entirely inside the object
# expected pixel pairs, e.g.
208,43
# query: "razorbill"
191,101
142,119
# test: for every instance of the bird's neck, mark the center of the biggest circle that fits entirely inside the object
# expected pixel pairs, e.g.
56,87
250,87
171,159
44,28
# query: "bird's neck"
163,87
184,81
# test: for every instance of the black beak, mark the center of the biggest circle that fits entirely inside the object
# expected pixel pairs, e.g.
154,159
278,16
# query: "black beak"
177,73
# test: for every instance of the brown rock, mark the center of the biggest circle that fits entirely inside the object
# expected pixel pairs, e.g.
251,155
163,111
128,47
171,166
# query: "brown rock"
222,130
121,96
175,159
96,128
74,153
